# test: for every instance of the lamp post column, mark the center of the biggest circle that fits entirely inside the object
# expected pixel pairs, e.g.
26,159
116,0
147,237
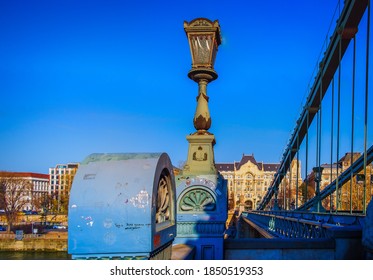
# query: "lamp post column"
318,172
202,119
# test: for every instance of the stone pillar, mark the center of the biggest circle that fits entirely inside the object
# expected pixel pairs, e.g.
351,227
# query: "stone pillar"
200,155
202,214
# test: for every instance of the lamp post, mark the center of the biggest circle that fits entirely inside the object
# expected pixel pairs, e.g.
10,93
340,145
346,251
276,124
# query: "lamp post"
360,180
318,172
204,38
202,190
275,205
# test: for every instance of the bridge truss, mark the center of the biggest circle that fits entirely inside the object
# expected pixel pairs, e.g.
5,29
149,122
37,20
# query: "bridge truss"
329,73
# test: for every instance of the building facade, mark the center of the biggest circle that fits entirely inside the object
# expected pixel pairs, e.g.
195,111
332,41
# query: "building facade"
37,186
350,195
249,180
61,178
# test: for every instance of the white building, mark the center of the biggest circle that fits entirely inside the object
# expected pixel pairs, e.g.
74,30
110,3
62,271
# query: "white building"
39,186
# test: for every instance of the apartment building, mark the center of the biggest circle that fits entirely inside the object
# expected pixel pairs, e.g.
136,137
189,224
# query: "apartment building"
249,180
32,186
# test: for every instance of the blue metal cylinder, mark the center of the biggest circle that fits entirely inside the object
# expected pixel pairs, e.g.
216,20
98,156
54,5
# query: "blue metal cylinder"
122,206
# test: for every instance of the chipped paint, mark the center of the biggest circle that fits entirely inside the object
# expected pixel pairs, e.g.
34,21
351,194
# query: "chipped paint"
108,223
110,238
141,200
88,220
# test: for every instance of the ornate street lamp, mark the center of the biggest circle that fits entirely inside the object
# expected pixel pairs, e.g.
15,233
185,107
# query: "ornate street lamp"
204,38
318,172
202,190
275,205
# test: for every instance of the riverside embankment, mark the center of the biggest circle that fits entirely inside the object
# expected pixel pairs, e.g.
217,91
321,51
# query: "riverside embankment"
51,241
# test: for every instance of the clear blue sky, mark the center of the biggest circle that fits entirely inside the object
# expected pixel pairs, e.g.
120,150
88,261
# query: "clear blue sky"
82,77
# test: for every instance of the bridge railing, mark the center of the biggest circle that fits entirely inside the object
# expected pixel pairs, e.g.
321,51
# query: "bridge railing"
286,224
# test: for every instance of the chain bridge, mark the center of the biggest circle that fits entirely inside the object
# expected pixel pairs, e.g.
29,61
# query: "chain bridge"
133,206
325,215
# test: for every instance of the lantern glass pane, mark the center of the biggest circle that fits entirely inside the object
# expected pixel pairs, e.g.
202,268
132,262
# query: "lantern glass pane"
202,46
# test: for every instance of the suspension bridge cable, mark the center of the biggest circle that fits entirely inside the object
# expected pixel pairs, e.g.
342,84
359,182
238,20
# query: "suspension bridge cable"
290,179
331,147
349,17
319,145
319,123
338,118
297,183
306,187
366,104
352,117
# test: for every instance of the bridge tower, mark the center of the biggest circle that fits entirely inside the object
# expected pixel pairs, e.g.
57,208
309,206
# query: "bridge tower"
201,191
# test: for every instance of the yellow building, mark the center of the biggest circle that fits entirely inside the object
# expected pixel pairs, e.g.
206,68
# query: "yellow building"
248,181
61,179
351,193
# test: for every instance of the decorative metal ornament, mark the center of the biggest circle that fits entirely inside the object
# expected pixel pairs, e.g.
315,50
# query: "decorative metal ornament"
197,200
163,210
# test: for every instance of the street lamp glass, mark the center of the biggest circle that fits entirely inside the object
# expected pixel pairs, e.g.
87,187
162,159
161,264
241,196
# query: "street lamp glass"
203,48
204,39
318,172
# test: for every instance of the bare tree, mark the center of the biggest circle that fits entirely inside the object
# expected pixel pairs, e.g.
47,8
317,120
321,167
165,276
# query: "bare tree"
45,204
14,193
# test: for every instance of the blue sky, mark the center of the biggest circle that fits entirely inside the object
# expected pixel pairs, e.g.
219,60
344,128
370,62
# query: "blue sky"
82,77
